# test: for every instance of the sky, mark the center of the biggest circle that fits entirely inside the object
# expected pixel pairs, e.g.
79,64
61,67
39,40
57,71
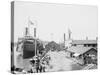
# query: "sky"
53,20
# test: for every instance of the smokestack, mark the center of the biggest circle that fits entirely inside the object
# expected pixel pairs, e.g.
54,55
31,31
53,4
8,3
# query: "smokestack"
35,32
86,38
26,31
64,37
69,34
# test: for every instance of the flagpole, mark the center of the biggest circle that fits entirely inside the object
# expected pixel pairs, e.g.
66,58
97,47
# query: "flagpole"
29,25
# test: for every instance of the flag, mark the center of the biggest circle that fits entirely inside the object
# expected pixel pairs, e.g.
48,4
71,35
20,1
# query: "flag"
30,22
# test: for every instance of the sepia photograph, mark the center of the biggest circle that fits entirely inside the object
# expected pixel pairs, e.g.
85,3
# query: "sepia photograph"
50,37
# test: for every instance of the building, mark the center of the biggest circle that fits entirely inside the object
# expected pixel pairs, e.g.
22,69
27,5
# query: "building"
90,56
85,43
85,50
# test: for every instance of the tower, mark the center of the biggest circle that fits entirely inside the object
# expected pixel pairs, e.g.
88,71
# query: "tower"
69,40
